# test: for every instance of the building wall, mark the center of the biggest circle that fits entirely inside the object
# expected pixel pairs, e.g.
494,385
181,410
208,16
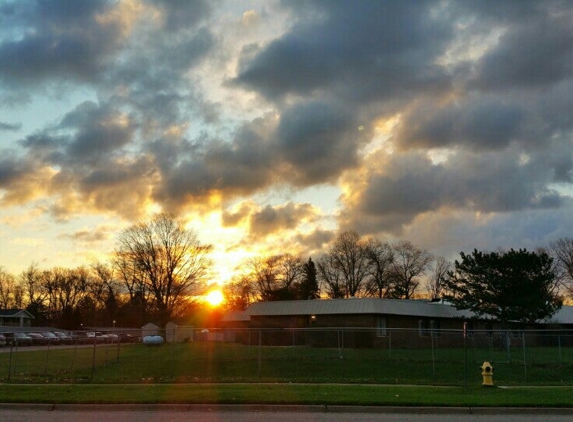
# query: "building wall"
7,321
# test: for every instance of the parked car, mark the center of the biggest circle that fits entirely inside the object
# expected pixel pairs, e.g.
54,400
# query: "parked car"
52,338
18,339
111,338
128,338
92,337
38,339
82,337
64,338
2,340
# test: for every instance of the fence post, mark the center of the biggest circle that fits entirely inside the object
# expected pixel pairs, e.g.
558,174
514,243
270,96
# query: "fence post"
10,360
465,333
524,363
342,352
47,357
94,357
260,343
172,350
74,355
433,355
389,344
118,346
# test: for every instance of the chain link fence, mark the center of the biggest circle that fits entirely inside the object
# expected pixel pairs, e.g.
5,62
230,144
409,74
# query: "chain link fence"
345,355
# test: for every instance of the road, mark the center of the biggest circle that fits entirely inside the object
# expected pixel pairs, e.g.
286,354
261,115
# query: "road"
180,414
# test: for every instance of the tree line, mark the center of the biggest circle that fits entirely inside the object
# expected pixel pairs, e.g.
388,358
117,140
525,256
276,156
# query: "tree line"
159,267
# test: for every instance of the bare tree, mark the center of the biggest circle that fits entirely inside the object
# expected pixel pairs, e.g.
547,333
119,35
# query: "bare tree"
410,262
438,276
64,289
331,278
349,257
291,271
169,258
239,294
276,277
105,290
562,251
264,273
380,257
7,289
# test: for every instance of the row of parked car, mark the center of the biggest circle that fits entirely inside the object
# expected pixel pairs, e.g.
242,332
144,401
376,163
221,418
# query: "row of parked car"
43,338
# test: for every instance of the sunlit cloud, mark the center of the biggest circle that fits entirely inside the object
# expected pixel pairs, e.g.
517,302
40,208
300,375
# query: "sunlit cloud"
271,126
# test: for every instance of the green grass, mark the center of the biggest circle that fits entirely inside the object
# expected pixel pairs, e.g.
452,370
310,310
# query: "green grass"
229,363
220,373
323,394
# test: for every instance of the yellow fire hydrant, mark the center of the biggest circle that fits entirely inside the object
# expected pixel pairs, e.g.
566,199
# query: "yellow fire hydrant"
487,373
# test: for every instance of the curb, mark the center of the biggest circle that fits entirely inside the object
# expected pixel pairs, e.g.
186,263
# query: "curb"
48,407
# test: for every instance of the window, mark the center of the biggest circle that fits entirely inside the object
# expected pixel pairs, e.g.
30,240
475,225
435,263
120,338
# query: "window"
427,327
381,327
423,328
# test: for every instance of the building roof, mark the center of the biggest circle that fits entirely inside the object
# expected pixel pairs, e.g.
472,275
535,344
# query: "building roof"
15,313
371,306
374,306
562,316
236,316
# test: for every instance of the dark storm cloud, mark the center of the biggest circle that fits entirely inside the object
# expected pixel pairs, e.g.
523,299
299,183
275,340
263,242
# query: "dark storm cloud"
310,143
270,219
366,50
98,131
316,240
479,123
232,168
411,184
11,169
182,14
533,55
86,134
498,106
319,141
157,63
60,39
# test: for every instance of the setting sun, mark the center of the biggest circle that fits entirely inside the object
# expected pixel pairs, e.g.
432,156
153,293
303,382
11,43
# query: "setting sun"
214,298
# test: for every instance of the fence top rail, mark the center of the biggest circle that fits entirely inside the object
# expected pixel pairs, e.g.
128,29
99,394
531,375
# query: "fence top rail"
554,332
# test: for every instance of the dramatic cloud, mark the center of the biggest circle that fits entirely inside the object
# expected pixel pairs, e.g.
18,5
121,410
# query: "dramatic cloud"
285,122
58,39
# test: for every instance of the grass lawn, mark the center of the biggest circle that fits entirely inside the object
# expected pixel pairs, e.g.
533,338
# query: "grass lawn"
323,394
202,362
221,373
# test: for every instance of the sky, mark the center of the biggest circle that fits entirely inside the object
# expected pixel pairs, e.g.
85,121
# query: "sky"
272,126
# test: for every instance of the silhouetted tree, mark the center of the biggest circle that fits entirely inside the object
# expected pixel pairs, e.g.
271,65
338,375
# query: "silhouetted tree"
169,258
7,289
379,257
562,250
276,277
439,274
239,294
308,286
331,278
344,267
506,286
408,264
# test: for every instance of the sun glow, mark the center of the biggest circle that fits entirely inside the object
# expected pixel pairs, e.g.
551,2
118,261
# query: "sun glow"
215,298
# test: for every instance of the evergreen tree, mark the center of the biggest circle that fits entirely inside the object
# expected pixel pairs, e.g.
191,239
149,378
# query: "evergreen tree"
513,286
308,287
